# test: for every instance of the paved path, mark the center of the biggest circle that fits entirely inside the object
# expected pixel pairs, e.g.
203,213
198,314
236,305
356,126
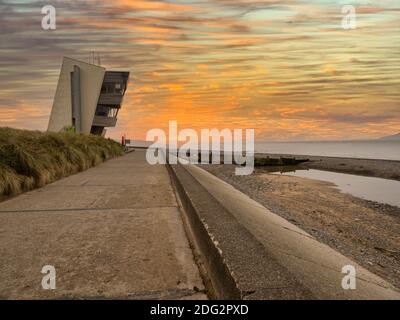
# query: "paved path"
113,231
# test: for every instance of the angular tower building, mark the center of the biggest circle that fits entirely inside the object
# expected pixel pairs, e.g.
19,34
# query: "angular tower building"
88,97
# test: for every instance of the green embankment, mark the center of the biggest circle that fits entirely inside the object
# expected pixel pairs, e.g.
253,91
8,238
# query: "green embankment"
31,159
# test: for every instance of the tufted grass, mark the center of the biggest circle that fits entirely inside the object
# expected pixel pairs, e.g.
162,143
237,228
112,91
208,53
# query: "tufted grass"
32,159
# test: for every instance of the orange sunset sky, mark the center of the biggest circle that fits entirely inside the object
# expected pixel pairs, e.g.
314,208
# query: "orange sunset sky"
286,68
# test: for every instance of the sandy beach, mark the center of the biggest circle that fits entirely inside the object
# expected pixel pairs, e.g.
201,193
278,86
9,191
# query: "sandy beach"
366,231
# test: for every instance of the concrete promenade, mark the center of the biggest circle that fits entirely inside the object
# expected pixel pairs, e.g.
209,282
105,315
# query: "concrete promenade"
113,231
116,231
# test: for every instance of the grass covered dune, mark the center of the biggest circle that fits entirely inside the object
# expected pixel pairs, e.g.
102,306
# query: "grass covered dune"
31,159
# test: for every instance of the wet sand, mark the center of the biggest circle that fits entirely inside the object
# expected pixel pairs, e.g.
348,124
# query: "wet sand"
366,231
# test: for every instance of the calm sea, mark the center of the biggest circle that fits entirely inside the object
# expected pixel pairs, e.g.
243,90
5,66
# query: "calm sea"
389,150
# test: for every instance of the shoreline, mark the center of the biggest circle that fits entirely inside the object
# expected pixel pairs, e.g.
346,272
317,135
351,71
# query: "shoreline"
386,169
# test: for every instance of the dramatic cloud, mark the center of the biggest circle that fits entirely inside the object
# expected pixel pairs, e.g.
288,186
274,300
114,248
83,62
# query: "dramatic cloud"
283,67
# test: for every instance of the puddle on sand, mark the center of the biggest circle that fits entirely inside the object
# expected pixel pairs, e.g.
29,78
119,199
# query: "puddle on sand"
368,188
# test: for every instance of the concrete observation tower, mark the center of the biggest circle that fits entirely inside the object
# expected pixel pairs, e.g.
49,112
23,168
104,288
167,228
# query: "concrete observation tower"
88,97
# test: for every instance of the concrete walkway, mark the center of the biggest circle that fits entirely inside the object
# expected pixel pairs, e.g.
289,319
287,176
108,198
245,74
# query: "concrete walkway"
113,231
